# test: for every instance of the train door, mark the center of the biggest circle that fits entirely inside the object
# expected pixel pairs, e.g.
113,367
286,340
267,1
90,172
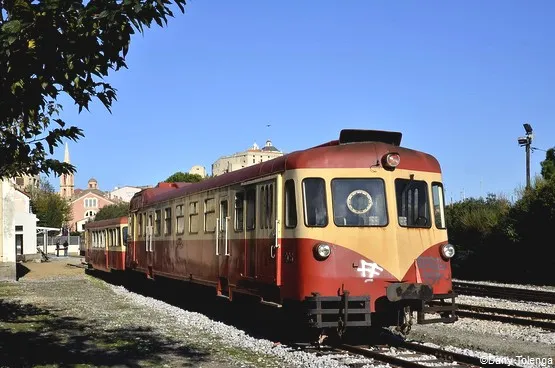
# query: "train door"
222,243
267,232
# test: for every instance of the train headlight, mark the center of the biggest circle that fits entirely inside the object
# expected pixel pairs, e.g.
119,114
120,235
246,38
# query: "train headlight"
391,160
447,251
322,251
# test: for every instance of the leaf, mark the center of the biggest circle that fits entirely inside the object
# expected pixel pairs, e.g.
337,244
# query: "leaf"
12,26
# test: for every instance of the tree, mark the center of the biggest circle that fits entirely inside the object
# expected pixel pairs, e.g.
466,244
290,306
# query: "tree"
181,177
112,211
548,165
51,47
51,209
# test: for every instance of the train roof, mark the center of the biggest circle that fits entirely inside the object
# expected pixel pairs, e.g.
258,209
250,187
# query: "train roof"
106,223
354,149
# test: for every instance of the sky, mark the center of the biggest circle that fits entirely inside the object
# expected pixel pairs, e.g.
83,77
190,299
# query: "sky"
457,78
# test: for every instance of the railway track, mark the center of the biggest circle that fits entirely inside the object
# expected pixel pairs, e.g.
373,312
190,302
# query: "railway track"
518,317
402,354
501,292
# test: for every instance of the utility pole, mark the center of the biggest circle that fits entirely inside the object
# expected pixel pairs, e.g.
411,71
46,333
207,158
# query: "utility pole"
526,141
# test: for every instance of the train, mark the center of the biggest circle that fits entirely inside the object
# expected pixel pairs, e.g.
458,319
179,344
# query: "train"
349,234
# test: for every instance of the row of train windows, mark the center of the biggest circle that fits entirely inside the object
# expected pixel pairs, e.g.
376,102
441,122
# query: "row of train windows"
162,221
355,203
108,237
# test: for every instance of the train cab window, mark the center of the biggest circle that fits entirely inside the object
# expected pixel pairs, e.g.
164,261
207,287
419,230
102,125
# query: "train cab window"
157,222
412,203
179,220
438,198
251,209
359,202
193,217
314,198
209,215
167,221
290,204
239,197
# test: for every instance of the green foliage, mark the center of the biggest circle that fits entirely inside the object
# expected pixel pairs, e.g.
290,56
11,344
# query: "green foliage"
60,46
548,165
181,177
112,211
51,209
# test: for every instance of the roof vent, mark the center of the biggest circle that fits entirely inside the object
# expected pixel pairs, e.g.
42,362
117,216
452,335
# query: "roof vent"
360,135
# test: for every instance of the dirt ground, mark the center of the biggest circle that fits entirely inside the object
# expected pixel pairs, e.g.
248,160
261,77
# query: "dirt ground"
58,266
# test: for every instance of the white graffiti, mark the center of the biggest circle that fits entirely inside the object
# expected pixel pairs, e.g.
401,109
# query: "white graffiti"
369,270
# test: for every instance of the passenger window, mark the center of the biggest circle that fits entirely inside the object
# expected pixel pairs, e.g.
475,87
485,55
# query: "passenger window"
290,204
412,203
157,220
439,205
167,221
209,215
314,198
193,217
239,197
140,225
251,209
179,219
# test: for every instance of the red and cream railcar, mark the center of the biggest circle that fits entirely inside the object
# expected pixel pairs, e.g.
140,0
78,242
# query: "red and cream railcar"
105,242
350,233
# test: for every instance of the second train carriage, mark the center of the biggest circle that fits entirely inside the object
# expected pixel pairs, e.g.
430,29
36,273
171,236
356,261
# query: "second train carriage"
105,244
349,233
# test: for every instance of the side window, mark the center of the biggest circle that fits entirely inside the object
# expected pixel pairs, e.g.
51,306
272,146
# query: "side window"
140,225
270,206
439,205
223,214
412,203
251,209
193,217
167,221
158,221
179,219
263,204
209,215
290,204
239,197
314,199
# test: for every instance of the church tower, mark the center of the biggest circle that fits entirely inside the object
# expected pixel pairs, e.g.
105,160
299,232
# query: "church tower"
66,180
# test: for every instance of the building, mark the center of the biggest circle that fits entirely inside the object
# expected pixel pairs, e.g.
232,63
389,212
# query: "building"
24,181
199,170
18,239
86,203
246,158
125,193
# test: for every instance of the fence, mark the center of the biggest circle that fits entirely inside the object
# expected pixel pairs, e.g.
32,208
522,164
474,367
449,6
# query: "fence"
74,244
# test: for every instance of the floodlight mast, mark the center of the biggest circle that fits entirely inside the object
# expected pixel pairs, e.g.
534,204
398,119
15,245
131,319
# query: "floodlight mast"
526,141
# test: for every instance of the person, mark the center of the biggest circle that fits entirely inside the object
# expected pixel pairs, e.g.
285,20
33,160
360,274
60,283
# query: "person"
58,248
66,245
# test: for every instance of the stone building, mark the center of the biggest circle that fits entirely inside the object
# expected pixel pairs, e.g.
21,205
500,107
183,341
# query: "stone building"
246,158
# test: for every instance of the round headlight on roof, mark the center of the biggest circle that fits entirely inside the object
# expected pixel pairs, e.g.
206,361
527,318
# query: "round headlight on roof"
322,251
391,160
447,251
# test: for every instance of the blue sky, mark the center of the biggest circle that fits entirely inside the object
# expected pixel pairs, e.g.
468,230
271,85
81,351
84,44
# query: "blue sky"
458,78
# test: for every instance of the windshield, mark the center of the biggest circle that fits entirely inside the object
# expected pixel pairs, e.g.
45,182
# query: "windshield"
412,203
359,202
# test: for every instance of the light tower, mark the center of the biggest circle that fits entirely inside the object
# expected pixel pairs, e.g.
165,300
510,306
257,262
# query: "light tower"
526,141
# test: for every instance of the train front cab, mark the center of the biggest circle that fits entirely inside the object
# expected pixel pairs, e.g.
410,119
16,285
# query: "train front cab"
364,248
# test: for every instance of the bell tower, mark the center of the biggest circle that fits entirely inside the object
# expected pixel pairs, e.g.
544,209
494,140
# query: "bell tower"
66,180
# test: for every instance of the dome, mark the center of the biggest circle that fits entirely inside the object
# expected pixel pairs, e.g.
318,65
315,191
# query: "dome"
269,147
93,180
